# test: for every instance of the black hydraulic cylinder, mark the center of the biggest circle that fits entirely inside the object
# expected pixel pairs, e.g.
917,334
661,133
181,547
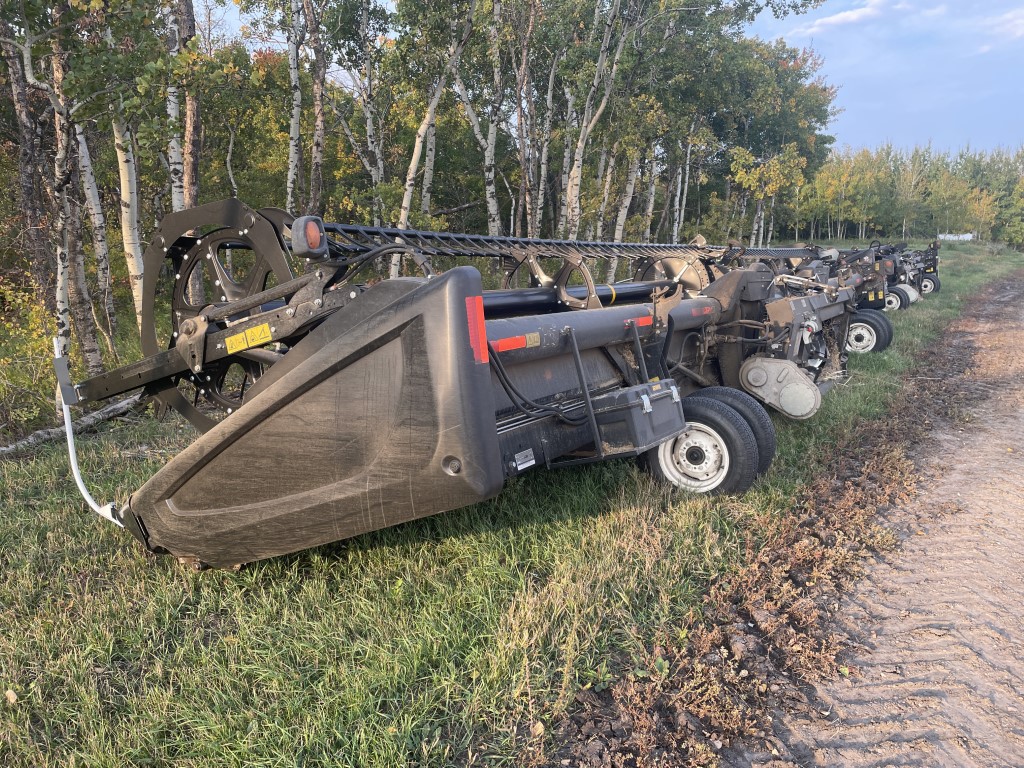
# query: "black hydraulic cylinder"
535,301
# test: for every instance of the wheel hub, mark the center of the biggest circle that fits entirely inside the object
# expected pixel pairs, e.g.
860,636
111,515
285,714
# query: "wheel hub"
701,457
861,338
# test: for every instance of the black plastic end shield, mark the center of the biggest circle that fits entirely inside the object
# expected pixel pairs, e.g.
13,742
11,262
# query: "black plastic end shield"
387,419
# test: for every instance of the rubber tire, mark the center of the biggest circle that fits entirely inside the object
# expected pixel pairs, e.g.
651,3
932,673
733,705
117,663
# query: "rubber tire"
729,430
902,301
860,320
904,295
890,330
935,282
754,414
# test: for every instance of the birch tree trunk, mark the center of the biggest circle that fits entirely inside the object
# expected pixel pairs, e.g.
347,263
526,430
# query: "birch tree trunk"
652,188
98,224
525,147
73,300
314,205
129,205
81,301
487,145
570,119
192,148
175,158
627,198
771,224
602,210
374,160
623,213
294,41
754,226
677,220
545,149
489,142
604,77
227,160
40,257
454,54
428,169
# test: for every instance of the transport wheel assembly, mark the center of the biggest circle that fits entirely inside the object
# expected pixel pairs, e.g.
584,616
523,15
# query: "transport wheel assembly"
896,300
867,334
754,414
717,453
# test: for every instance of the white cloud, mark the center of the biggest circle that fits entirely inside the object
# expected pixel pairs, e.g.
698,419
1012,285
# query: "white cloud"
871,9
1009,25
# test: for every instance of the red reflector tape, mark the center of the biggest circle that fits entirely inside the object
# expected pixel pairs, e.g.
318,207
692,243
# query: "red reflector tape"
477,328
640,322
512,342
700,311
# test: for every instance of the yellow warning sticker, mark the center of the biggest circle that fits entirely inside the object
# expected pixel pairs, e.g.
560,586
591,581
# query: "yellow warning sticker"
253,337
258,335
532,340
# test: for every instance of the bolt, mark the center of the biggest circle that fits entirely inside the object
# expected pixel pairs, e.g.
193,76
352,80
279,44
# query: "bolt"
290,312
188,327
317,303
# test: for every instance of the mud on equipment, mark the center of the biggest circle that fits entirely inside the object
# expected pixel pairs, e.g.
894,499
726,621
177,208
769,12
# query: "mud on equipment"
331,404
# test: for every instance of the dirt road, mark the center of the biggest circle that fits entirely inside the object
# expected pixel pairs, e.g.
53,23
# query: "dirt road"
936,666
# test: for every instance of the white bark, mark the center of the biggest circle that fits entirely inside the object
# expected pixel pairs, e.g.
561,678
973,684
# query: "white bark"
602,210
627,198
676,208
623,214
98,224
604,78
570,119
175,156
314,203
454,54
428,170
294,39
545,150
129,205
374,158
227,161
487,145
758,213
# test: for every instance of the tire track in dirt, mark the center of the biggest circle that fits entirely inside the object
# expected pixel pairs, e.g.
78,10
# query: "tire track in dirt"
936,636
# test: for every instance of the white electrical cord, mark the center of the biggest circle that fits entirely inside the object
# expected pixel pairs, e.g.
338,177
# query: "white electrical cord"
106,511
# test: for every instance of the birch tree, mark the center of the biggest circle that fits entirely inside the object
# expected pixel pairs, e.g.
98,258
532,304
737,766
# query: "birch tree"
458,38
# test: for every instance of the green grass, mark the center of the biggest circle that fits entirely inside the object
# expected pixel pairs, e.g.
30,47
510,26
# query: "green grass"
440,641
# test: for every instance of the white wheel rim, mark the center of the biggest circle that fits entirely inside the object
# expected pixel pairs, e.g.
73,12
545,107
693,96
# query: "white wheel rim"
892,301
861,338
697,460
927,286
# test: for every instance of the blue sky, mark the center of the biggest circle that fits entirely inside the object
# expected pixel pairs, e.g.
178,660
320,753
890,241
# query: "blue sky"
910,71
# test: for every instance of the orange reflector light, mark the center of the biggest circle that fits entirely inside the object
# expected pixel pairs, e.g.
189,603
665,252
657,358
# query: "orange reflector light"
477,328
312,235
640,322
